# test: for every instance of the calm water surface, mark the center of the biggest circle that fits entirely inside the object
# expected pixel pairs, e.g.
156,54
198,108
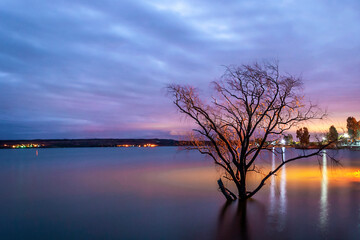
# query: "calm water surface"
163,193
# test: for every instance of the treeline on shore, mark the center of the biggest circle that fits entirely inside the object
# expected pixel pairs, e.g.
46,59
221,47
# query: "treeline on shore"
66,143
332,138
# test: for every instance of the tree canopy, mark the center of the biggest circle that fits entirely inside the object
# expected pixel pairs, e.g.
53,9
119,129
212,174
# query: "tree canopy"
333,134
353,127
303,135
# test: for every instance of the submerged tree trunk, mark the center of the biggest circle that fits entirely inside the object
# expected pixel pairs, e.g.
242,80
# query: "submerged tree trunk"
226,192
242,191
242,185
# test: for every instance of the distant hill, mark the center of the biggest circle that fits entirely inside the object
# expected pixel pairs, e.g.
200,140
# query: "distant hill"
66,143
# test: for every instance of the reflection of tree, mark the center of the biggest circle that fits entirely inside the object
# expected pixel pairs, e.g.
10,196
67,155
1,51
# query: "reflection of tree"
233,224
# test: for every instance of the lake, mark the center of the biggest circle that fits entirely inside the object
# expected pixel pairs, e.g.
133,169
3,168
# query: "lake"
164,193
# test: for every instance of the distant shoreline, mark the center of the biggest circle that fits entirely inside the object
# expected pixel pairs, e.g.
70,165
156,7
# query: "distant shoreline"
114,142
69,143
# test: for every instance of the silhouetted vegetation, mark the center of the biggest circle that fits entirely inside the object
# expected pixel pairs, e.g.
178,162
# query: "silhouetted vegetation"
303,135
353,128
251,105
333,134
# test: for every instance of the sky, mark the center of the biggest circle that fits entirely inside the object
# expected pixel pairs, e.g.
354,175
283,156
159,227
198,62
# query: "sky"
98,69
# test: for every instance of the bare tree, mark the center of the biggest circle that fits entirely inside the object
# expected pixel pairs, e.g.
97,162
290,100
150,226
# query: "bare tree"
250,102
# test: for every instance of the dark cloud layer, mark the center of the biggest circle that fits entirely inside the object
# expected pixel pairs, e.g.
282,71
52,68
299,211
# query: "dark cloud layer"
76,69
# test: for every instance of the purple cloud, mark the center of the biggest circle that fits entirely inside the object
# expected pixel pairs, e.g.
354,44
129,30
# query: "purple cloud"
76,69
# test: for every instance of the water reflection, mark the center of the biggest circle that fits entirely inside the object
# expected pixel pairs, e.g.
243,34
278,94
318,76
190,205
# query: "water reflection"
232,223
282,214
359,221
278,206
272,187
324,194
97,193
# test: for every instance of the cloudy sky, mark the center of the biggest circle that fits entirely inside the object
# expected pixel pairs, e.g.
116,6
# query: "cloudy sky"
78,69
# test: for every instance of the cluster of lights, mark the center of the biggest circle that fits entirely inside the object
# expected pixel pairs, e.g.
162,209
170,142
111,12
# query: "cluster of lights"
26,146
150,145
125,145
357,174
145,145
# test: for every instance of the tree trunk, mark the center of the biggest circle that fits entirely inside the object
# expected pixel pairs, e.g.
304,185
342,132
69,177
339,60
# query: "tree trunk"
227,193
242,186
242,192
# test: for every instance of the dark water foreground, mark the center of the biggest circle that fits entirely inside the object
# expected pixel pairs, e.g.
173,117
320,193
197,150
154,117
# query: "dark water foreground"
160,193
